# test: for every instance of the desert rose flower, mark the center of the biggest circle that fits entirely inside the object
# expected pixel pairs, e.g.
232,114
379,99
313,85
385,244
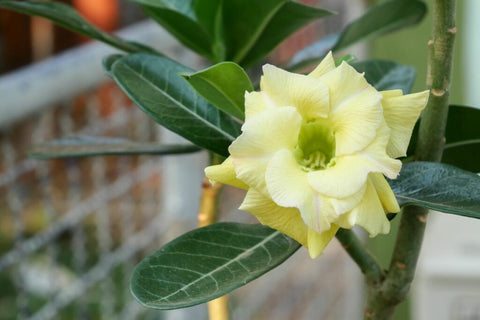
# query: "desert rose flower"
315,149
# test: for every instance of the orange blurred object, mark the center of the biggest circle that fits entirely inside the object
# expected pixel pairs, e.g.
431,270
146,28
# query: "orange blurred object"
104,14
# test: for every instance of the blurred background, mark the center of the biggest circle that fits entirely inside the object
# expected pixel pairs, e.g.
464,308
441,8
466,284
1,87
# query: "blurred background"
71,231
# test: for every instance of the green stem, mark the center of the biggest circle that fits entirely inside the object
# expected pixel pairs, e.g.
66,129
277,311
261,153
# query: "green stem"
434,119
382,299
357,251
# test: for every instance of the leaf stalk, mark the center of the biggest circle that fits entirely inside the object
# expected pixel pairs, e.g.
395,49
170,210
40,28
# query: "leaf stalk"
207,215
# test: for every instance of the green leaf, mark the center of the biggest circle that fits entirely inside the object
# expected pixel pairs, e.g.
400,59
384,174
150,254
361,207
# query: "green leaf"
348,58
108,61
312,53
462,135
244,22
380,19
196,24
462,124
387,75
462,148
439,187
209,14
178,18
207,263
67,17
101,146
288,19
183,6
464,155
153,83
242,31
224,85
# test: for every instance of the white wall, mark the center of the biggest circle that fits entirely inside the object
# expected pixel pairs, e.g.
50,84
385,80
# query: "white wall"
470,27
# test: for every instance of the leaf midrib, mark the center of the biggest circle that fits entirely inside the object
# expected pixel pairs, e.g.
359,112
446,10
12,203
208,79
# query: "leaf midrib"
221,92
210,274
178,103
247,47
439,206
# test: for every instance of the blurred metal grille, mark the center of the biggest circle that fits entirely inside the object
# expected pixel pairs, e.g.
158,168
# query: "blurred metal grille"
71,225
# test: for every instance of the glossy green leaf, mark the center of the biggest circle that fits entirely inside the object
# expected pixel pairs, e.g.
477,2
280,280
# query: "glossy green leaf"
387,75
465,155
462,148
195,23
243,31
224,85
462,135
178,18
209,14
290,17
82,146
154,84
380,19
245,21
108,61
182,6
439,187
67,17
207,263
462,124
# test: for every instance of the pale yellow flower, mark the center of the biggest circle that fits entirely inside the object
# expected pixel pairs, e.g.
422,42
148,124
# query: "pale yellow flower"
314,151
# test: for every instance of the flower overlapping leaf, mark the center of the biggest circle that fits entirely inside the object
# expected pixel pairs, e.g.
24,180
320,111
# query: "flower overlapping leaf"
315,149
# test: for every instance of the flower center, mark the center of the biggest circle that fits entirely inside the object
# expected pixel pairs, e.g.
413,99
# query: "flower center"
316,146
315,161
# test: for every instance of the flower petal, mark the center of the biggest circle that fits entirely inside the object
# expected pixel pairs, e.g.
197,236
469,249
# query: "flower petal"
401,113
369,214
376,152
267,132
343,179
287,184
285,220
256,102
355,109
224,173
356,120
263,135
342,205
391,93
318,241
349,173
327,65
385,193
343,82
318,212
307,94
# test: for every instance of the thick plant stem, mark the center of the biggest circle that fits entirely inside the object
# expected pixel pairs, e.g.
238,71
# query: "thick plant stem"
383,299
431,138
357,251
207,214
